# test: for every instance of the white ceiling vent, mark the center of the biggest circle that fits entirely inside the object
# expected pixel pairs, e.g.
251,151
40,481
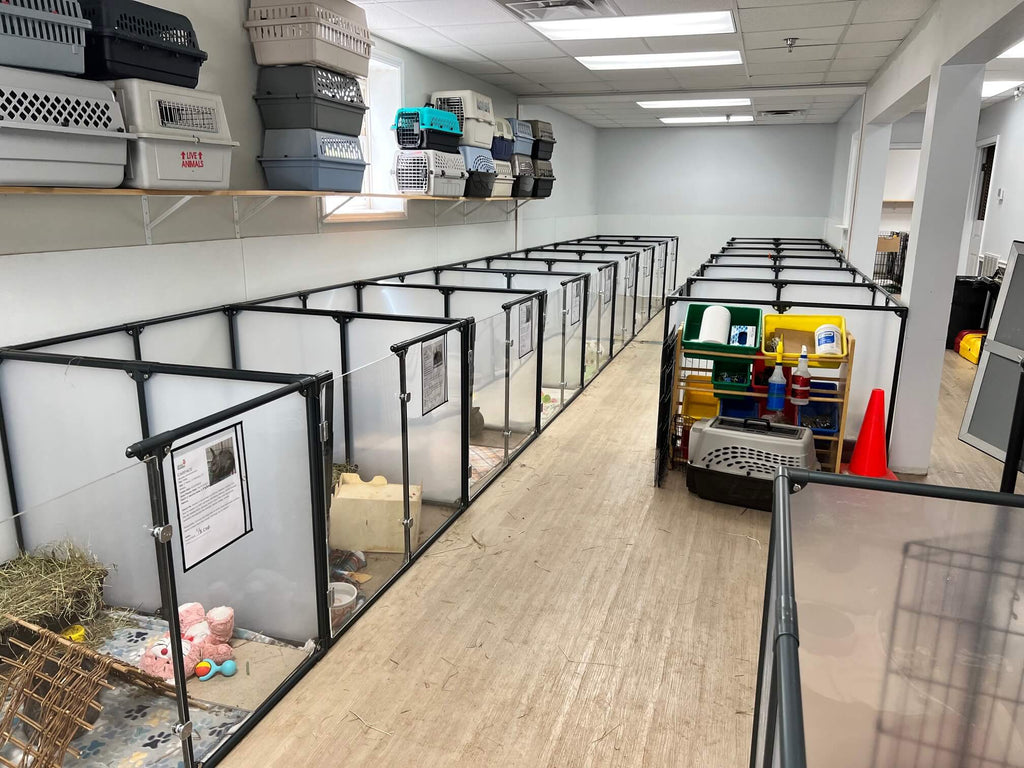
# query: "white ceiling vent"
559,10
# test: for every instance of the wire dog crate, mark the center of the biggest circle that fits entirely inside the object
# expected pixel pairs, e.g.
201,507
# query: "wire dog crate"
302,158
429,172
503,179
544,178
131,39
475,112
958,612
427,128
183,141
310,97
480,166
522,170
43,34
543,139
330,34
503,143
890,260
522,131
59,131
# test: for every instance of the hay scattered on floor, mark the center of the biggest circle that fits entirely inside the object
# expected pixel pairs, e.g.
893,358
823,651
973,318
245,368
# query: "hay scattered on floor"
55,587
342,469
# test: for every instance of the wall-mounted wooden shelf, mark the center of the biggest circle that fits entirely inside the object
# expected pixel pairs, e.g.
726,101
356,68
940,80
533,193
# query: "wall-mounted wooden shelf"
266,196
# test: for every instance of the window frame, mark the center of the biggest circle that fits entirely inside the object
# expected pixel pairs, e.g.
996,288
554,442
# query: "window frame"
368,208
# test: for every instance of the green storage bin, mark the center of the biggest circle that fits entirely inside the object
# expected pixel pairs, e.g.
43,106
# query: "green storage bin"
738,373
707,350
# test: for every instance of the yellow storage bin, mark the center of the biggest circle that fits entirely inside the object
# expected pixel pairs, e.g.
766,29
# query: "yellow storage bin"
775,325
696,403
970,346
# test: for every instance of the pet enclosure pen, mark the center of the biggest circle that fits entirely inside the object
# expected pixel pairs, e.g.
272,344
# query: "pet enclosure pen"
563,362
654,281
68,489
636,307
908,649
672,268
873,316
603,319
505,383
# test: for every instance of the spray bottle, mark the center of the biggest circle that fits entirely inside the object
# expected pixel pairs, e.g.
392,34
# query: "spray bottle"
777,386
801,381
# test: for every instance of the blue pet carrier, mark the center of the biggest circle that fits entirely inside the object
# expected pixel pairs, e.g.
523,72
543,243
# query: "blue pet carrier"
427,128
523,133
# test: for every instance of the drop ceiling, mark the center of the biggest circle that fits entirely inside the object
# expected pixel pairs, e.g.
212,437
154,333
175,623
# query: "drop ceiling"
840,45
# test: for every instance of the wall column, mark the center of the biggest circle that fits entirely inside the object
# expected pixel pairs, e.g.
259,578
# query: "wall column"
943,184
867,205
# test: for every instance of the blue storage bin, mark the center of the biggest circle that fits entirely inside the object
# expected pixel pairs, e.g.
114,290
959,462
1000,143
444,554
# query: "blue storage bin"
427,128
741,408
302,158
503,143
825,414
522,131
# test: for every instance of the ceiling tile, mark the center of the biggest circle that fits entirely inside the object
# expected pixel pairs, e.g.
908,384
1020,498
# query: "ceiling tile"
851,76
476,34
382,17
513,82
452,54
517,51
811,79
817,35
859,63
785,67
596,87
634,75
640,7
878,32
447,12
792,18
766,3
810,53
694,43
644,86
563,65
416,37
483,68
890,10
558,77
866,50
603,47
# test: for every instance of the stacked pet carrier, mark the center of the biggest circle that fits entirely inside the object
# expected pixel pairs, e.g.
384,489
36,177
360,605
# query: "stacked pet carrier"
543,148
475,113
428,161
66,132
522,157
308,96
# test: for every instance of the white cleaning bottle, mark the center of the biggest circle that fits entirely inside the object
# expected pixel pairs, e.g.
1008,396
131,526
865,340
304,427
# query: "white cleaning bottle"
777,387
801,381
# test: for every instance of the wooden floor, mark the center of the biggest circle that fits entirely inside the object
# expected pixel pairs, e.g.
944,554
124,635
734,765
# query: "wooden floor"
574,616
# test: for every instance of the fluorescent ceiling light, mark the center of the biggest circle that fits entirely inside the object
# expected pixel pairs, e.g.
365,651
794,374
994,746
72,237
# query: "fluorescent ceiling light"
708,120
996,87
694,103
656,25
1017,52
662,60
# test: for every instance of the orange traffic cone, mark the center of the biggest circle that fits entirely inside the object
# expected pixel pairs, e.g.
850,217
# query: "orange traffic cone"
869,459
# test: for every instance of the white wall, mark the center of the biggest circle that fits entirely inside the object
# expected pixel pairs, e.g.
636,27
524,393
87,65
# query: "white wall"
571,211
1004,221
81,262
708,184
836,226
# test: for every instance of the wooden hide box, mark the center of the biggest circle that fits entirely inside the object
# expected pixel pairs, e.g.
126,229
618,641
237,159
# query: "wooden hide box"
368,516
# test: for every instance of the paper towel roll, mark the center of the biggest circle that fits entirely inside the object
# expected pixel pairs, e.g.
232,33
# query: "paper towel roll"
715,324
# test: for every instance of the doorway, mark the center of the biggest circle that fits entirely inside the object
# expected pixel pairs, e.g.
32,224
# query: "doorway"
985,162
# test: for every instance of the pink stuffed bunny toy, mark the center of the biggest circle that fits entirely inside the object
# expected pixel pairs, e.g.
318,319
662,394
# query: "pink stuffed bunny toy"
203,636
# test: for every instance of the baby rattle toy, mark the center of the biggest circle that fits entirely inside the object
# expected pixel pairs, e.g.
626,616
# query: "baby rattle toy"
207,668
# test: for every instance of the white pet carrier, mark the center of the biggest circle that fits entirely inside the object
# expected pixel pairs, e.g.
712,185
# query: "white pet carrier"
475,112
734,460
329,33
429,172
183,138
503,181
59,131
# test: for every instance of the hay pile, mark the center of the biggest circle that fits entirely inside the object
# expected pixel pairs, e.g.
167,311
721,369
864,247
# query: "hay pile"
55,587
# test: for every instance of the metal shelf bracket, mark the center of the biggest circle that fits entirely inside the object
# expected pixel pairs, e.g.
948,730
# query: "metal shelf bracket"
250,214
152,223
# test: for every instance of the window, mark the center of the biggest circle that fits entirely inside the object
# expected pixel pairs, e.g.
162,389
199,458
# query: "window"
382,92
